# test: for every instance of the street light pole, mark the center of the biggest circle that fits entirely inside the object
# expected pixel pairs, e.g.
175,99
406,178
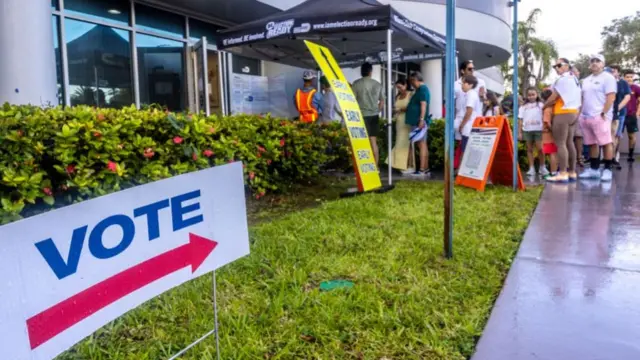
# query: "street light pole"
515,92
450,68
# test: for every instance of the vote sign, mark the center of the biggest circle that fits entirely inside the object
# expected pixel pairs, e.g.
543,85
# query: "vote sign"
69,272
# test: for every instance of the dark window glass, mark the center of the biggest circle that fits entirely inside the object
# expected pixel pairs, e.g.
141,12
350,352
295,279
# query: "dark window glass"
161,71
115,11
247,66
56,49
54,4
99,64
198,29
159,21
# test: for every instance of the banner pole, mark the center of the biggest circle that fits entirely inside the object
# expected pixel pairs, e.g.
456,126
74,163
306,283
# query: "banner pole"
450,69
389,106
515,93
215,315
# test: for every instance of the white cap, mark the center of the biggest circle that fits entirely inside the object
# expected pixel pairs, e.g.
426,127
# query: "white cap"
308,75
597,57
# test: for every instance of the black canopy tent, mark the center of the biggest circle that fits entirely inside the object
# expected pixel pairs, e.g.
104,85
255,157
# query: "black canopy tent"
354,30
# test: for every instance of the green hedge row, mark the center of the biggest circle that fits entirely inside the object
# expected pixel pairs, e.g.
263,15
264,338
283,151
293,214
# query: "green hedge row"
57,156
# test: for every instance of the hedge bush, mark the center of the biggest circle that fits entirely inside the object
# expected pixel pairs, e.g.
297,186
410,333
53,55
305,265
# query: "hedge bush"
57,156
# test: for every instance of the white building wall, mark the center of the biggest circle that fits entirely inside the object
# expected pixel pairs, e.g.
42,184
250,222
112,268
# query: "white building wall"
27,61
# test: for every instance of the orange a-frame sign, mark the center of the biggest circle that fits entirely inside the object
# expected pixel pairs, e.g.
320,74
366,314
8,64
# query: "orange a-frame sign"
488,155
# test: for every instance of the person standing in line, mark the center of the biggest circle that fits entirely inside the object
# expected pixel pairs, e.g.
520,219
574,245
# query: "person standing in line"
467,68
417,116
633,112
491,105
581,150
598,94
370,97
307,99
331,111
623,95
531,130
565,100
548,143
469,84
402,154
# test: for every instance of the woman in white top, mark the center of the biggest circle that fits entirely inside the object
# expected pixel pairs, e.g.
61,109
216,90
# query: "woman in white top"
401,154
531,130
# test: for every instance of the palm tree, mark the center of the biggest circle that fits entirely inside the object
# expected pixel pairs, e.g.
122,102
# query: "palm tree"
535,55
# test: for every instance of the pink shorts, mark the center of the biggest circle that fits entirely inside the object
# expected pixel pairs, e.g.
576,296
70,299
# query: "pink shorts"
549,148
596,130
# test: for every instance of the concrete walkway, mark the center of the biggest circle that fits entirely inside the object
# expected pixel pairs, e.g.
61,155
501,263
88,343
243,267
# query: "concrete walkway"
573,291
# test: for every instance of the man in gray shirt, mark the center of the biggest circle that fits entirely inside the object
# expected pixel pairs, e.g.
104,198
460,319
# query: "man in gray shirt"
370,98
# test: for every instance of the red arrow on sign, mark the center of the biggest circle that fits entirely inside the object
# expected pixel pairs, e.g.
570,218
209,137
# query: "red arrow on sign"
60,317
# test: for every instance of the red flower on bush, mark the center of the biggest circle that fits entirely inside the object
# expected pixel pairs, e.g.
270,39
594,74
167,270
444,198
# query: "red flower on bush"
148,153
252,175
97,134
178,140
71,169
20,133
269,162
100,117
47,191
194,156
208,153
282,142
212,130
230,161
259,155
261,149
112,166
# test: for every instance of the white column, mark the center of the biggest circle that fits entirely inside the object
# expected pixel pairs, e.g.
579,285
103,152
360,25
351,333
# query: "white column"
432,72
27,61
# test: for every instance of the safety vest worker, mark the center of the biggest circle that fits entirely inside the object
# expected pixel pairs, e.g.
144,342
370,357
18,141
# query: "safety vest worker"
308,100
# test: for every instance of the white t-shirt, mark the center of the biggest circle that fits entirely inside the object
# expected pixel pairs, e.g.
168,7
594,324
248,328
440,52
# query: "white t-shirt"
472,101
568,86
594,93
461,101
531,116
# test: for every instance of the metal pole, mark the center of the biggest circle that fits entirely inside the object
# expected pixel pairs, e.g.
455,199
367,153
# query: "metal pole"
221,75
205,77
389,106
450,70
215,315
515,94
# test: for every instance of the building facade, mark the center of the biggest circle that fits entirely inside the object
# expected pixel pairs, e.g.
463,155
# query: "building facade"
114,53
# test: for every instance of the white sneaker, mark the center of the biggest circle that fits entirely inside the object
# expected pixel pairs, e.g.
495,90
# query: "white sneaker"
589,173
544,171
531,172
607,175
409,171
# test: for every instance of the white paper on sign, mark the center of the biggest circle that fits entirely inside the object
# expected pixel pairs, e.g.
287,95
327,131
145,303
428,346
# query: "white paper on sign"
69,272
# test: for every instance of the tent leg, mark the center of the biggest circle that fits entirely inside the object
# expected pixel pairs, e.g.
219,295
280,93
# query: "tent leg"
389,106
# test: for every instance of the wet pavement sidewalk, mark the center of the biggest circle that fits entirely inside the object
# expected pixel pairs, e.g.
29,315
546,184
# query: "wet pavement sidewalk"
573,291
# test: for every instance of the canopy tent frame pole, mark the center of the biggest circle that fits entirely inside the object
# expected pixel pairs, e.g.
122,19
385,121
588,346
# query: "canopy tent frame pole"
389,106
450,70
222,99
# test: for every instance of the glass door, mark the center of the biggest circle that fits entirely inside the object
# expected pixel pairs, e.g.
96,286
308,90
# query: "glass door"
199,59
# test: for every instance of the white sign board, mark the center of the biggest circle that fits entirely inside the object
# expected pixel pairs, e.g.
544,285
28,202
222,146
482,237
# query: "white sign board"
69,272
249,94
478,153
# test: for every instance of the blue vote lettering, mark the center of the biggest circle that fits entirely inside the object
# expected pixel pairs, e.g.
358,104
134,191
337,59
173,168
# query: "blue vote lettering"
63,268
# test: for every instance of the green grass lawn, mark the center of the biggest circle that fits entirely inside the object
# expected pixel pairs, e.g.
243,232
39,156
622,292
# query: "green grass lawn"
408,302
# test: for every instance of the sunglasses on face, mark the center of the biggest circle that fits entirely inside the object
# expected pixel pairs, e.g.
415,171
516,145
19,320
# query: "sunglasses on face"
559,65
594,61
470,69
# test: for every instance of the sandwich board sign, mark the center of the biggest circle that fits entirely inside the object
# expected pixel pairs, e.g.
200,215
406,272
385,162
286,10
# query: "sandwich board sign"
68,272
489,155
364,163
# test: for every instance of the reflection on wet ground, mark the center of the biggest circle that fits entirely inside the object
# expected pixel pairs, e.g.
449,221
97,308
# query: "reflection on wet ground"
573,291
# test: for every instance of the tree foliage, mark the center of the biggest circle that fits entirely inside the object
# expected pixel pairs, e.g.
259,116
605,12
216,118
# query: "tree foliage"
535,55
621,42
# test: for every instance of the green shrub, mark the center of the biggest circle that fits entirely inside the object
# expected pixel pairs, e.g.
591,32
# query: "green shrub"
55,156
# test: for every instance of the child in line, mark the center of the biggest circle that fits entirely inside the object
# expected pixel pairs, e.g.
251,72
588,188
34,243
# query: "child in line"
472,105
548,144
531,130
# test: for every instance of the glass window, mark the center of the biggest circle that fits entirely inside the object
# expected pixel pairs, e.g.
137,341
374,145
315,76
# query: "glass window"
247,66
56,49
99,64
198,29
114,11
54,4
159,21
161,71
